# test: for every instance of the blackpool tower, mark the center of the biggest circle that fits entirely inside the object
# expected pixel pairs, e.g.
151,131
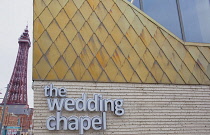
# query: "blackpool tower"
17,91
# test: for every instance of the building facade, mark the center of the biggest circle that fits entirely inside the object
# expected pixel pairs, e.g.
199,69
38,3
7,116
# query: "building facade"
106,67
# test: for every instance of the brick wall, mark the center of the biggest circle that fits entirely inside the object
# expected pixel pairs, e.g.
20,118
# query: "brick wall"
149,109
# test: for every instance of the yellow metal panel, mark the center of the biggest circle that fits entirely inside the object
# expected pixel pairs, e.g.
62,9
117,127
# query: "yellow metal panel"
61,68
165,79
63,2
131,35
78,69
69,76
53,30
87,76
151,28
119,77
70,11
139,47
154,48
39,29
93,21
190,63
137,25
111,70
62,19
115,13
110,45
123,24
35,74
61,43
157,72
37,53
103,77
133,58
101,33
171,72
69,55
78,20
47,2
109,23
145,37
44,42
206,52
46,18
86,32
108,4
127,70
135,78
118,58
78,3
102,57
101,11
125,46
70,31
78,44
95,69
159,38
39,6
129,14
142,71
52,55
93,3
94,44
150,79
43,68
54,7
148,59
51,75
86,56
116,34
86,10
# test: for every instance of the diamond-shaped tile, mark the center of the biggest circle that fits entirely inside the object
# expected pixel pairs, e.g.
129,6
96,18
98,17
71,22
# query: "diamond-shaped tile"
159,38
108,23
61,43
110,45
193,51
42,68
86,10
145,37
123,24
108,4
44,42
154,48
70,9
137,25
78,3
53,55
129,14
127,70
78,20
53,30
69,76
102,57
111,70
62,19
125,47
36,53
157,72
63,2
46,18
101,33
101,11
95,69
179,80
118,58
131,35
39,6
152,28
61,68
54,8
199,75
171,72
133,58
192,80
119,77
103,77
185,73
135,78
35,74
202,62
78,69
69,55
189,61
176,61
78,44
142,71
150,79
116,34
86,32
162,60
206,52
94,44
93,21
47,2
165,79
70,31
139,47
115,13
39,29
93,3
148,59
167,49
87,76
122,5
86,56
51,75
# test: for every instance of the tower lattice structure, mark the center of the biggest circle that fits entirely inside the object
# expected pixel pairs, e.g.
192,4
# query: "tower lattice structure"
17,91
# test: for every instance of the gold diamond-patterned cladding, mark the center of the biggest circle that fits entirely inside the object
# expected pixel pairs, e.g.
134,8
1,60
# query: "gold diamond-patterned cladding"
110,41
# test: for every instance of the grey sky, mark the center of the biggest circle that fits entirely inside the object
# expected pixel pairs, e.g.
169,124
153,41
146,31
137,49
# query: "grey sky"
14,16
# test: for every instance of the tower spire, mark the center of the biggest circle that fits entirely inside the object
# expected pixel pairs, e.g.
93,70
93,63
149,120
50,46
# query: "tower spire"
17,92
